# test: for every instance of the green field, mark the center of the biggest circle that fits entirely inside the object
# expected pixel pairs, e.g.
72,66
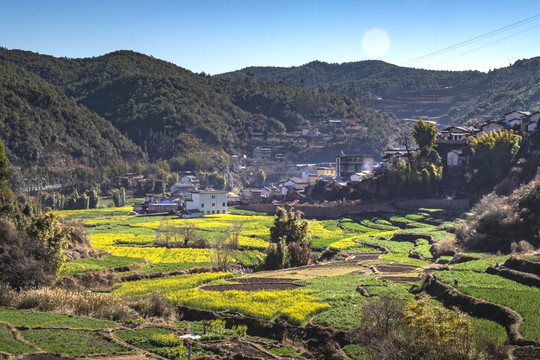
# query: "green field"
328,295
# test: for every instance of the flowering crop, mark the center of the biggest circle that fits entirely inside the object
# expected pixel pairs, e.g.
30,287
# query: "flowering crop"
146,287
94,213
345,243
296,305
252,242
107,241
159,255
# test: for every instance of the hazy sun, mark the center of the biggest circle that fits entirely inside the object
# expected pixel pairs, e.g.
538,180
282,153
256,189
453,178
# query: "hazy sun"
376,42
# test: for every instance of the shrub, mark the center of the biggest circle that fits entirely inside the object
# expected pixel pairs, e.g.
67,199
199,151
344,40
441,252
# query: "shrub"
101,306
8,296
154,306
240,329
445,247
300,253
521,247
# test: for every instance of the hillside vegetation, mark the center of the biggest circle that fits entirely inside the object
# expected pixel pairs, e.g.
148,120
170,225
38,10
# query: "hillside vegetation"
169,111
452,96
43,126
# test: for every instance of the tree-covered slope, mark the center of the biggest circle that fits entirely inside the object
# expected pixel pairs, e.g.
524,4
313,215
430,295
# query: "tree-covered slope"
453,96
42,126
170,111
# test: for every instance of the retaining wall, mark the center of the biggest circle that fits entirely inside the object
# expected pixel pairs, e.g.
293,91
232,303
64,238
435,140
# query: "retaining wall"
339,209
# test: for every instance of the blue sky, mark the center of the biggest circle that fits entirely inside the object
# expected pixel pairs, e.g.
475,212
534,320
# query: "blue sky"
216,36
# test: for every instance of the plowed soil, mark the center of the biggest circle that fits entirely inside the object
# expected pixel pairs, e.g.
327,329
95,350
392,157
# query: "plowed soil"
255,284
363,256
393,268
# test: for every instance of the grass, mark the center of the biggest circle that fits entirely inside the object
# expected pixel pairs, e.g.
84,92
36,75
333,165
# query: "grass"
9,344
484,329
286,350
236,211
33,319
72,342
340,293
94,213
356,352
145,339
493,288
96,264
423,248
141,337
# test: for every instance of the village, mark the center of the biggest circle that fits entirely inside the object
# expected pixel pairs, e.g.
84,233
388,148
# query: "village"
189,199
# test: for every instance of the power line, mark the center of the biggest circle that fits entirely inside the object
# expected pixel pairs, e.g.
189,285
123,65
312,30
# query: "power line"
483,46
475,39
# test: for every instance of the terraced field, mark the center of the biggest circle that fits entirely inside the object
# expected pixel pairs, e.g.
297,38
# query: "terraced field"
364,252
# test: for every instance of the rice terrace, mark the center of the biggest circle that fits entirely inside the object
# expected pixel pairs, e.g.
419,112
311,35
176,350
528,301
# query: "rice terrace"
148,293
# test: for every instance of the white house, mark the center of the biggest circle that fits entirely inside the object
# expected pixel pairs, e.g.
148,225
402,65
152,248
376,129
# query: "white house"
457,158
295,183
516,118
487,127
360,175
533,121
453,135
190,179
207,202
182,189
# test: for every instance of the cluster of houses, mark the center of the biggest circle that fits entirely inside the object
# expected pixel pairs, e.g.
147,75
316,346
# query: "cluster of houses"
186,200
453,142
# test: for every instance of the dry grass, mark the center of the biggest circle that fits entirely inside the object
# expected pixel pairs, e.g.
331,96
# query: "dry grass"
100,306
313,271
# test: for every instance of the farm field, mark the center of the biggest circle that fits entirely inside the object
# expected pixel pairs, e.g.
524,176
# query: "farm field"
365,253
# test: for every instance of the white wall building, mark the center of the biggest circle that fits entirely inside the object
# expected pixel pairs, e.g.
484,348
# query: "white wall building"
533,121
208,202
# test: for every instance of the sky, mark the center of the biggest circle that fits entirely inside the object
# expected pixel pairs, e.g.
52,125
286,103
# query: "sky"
217,36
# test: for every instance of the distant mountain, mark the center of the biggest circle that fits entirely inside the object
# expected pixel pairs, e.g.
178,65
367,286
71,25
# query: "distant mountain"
168,111
451,96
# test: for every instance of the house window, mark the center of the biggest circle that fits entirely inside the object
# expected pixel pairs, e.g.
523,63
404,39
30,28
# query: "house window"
213,196
213,204
223,204
202,205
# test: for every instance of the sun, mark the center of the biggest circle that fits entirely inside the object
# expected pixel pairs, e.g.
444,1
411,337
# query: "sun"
376,43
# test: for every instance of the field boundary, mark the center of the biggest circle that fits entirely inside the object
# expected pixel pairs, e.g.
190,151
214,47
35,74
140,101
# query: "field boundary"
503,315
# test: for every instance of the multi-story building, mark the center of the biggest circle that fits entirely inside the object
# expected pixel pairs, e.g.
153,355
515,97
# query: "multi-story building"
347,165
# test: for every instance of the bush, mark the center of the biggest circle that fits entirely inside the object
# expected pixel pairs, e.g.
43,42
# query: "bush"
445,247
300,253
521,247
101,306
501,221
154,306
418,331
8,296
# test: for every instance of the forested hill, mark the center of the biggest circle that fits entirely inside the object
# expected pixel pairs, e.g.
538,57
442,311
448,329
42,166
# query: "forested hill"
169,111
453,96
42,126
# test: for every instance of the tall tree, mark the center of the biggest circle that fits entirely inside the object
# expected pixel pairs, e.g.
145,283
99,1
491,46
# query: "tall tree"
424,134
493,154
289,243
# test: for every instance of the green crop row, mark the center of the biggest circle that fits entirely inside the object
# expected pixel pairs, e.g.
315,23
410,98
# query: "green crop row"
493,288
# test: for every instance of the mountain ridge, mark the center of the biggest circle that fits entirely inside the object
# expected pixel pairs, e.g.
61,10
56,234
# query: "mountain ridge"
454,97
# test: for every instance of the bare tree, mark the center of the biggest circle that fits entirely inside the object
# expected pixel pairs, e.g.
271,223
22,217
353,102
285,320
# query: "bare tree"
173,236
